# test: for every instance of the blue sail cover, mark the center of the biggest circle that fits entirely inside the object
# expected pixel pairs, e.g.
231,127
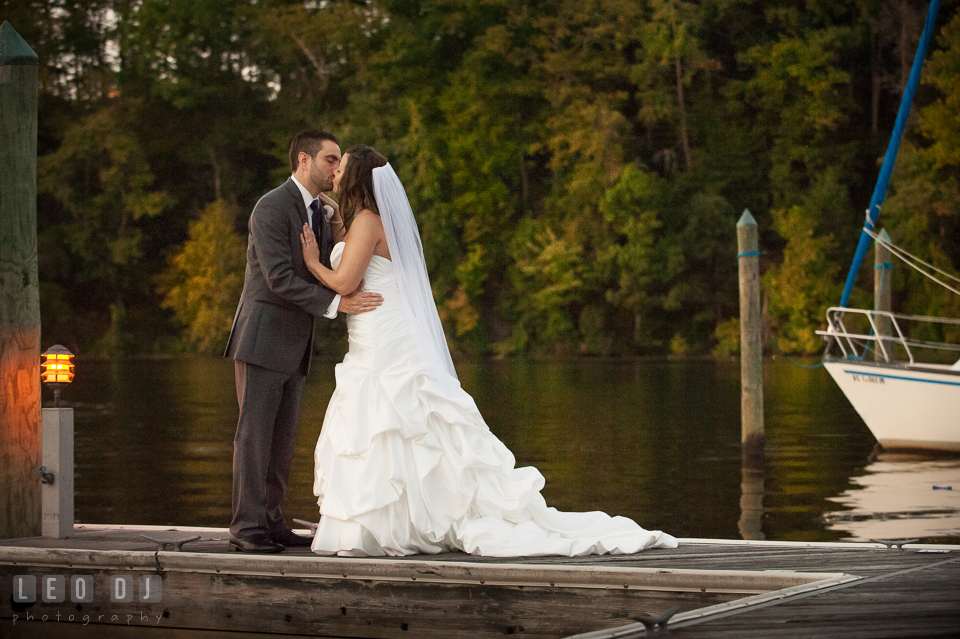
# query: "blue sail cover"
880,190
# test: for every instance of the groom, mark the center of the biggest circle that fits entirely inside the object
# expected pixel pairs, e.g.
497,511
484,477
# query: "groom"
272,340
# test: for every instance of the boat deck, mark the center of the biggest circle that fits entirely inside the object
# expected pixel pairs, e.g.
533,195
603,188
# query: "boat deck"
723,588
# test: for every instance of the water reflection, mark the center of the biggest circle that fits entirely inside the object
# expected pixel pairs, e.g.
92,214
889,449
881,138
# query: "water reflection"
901,496
655,440
751,503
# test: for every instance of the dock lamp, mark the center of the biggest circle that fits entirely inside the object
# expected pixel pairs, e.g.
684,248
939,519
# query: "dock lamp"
56,473
57,370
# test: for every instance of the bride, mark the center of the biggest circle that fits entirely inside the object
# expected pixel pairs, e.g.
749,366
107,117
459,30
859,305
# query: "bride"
405,463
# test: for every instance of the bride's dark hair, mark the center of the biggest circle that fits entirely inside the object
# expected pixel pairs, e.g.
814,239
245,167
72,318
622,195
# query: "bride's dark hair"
356,183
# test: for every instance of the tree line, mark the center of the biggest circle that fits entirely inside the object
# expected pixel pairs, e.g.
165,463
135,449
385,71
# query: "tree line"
577,167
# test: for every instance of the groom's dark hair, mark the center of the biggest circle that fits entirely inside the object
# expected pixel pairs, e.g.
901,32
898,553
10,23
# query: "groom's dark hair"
308,142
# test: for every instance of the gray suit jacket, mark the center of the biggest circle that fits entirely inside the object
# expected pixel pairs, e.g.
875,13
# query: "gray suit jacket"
273,326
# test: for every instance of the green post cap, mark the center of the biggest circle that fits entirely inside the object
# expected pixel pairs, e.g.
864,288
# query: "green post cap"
13,49
884,236
746,219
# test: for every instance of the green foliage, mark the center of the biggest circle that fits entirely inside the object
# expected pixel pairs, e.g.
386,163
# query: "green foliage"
804,284
634,260
679,345
923,213
549,268
107,194
576,169
100,180
203,281
727,335
938,120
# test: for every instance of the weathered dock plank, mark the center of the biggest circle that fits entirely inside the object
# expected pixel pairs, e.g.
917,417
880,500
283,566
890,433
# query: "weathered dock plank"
921,598
300,593
924,603
453,594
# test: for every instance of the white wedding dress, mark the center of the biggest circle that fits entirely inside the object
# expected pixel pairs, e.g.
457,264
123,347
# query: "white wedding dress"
405,464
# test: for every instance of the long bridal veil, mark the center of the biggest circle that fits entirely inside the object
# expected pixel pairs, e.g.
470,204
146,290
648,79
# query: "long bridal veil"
410,268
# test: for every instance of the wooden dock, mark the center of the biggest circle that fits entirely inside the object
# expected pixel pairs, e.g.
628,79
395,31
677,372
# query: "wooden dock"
723,589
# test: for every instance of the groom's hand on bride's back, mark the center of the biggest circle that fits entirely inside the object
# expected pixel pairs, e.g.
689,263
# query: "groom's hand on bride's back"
359,301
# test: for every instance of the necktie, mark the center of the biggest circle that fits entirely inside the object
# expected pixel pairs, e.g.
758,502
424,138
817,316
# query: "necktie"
316,219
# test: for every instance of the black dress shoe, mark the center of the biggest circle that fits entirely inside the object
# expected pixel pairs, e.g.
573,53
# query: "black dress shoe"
291,539
255,543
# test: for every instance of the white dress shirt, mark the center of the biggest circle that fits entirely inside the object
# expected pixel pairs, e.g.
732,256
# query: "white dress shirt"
307,200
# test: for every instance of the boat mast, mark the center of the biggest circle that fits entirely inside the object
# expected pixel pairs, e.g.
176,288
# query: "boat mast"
880,190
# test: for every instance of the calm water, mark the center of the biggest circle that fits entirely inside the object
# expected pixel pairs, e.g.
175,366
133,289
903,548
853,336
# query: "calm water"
658,441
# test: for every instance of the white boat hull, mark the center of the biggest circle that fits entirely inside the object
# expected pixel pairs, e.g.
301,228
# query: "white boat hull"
903,407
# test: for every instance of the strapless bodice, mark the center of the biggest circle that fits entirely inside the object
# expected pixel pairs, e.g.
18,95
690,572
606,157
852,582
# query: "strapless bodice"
379,276
369,334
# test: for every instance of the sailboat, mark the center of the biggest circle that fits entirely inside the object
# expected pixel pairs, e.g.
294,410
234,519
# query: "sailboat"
905,402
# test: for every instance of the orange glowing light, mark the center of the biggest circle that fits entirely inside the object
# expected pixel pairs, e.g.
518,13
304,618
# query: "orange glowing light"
57,367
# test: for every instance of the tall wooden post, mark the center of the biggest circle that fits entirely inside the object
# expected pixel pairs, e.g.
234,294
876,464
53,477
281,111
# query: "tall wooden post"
751,350
19,290
882,275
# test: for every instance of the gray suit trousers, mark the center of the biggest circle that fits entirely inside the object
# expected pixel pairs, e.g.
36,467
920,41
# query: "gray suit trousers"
263,447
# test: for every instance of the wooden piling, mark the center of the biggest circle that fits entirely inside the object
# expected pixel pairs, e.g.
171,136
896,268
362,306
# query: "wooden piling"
751,350
882,276
19,290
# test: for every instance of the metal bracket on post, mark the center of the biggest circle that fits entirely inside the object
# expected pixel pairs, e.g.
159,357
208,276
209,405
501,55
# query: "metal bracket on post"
45,477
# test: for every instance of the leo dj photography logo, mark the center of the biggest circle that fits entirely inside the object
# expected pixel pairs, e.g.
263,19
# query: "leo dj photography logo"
53,589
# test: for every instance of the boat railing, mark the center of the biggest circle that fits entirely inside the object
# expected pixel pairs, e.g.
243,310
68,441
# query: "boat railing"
855,344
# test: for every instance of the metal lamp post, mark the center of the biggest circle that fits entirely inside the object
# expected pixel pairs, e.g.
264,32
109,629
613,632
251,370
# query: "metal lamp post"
56,473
